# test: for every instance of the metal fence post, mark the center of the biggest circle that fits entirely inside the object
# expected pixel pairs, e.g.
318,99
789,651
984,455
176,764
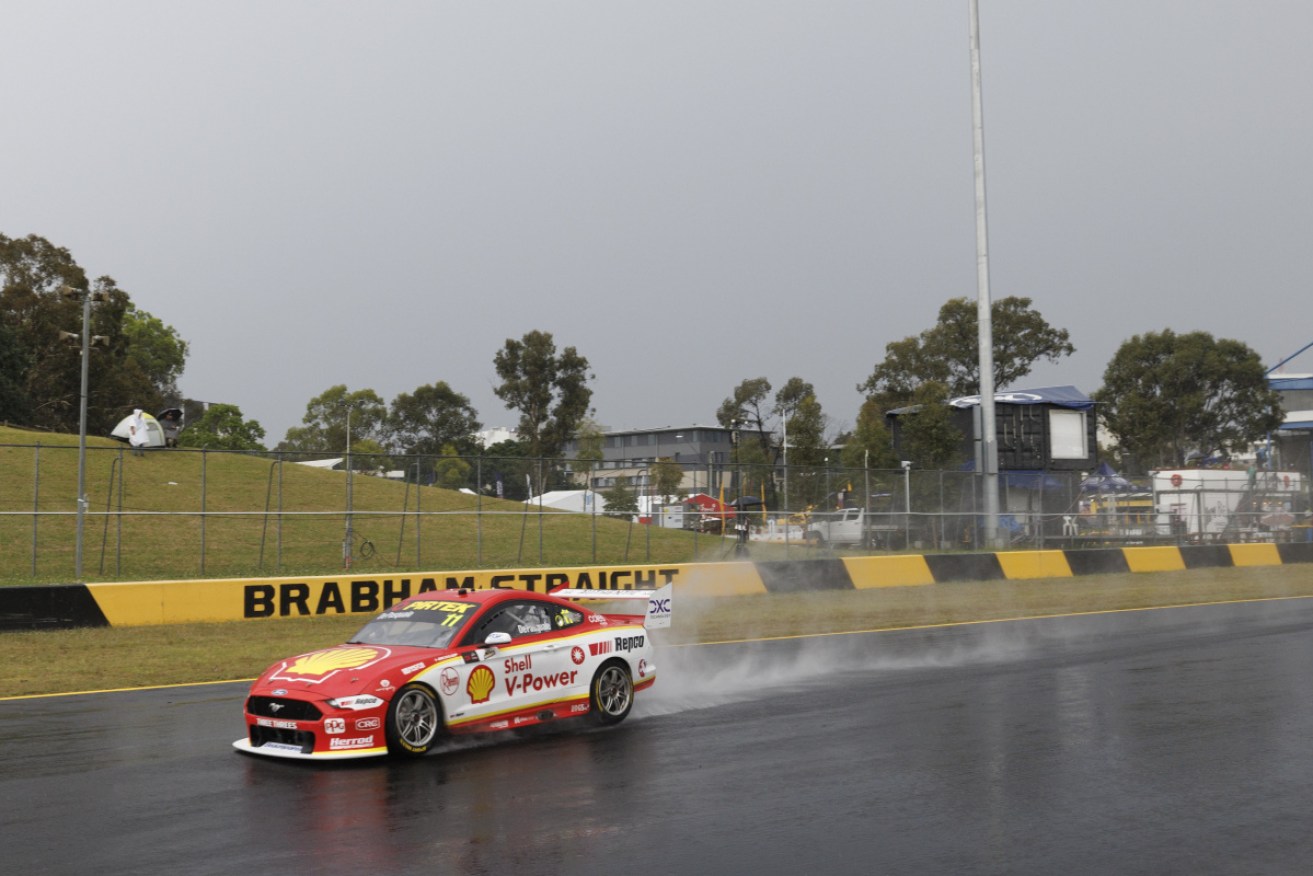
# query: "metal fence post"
478,517
118,528
36,502
419,518
278,558
203,468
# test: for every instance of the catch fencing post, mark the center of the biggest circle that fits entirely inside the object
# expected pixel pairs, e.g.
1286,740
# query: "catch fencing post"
36,502
203,469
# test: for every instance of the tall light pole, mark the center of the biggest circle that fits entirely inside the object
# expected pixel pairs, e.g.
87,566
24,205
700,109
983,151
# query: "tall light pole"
988,438
87,342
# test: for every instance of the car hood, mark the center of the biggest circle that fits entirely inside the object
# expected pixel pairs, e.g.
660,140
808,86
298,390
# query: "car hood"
349,669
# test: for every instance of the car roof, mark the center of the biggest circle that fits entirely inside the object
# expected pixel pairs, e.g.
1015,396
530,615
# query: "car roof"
485,597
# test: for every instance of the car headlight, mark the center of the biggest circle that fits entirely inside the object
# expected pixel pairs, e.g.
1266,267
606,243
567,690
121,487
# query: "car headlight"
356,703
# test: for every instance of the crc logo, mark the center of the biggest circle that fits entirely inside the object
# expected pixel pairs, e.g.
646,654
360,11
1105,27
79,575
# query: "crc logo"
368,724
334,725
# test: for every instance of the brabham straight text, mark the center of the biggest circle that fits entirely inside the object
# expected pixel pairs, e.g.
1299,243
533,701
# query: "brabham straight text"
366,596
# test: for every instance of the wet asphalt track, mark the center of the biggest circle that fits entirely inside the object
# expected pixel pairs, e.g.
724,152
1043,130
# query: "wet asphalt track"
1152,742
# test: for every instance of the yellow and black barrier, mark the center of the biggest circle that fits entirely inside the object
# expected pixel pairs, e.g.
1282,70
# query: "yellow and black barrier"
139,603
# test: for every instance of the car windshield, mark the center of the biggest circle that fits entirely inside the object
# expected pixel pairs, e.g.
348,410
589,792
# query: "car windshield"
424,624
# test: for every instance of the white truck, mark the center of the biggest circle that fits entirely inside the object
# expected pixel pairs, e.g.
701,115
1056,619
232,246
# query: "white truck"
848,527
852,527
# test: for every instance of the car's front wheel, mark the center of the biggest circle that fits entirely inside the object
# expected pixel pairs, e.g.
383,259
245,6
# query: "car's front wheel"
611,694
414,720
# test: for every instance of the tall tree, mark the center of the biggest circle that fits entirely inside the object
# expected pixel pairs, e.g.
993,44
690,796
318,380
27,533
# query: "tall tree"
619,500
451,470
41,373
1165,394
754,470
222,427
503,468
590,454
871,443
328,416
549,390
928,437
743,411
15,404
930,441
431,419
667,477
948,352
156,348
809,452
792,394
745,405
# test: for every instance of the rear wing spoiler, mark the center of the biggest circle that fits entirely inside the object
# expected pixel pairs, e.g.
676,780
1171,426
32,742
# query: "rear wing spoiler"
659,602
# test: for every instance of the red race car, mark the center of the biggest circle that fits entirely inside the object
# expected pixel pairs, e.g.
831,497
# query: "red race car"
457,661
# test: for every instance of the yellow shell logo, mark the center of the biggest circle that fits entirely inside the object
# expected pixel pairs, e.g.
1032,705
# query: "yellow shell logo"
319,665
323,662
480,684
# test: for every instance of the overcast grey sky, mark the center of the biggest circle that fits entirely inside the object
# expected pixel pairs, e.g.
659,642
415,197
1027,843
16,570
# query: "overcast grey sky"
691,193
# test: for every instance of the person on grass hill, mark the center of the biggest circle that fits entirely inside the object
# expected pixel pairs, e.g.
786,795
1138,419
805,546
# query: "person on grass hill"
137,436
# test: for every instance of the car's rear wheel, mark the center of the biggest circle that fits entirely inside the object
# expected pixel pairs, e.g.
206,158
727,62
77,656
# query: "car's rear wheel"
611,694
414,720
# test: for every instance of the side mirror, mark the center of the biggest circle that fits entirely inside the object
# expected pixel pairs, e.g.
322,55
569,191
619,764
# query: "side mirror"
496,639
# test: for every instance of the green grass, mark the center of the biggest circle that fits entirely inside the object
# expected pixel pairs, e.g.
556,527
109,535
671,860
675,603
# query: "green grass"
103,659
144,520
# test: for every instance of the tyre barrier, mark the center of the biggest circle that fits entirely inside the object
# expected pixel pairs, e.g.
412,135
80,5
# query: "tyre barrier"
143,603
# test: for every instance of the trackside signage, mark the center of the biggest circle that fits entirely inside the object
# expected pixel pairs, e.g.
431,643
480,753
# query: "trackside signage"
366,596
156,602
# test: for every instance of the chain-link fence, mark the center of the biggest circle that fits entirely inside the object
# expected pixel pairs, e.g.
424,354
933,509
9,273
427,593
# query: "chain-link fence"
191,513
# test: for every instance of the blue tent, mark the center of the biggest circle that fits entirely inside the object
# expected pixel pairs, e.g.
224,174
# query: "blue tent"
1106,480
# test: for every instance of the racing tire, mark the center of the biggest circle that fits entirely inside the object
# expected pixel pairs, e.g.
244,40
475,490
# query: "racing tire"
414,722
611,694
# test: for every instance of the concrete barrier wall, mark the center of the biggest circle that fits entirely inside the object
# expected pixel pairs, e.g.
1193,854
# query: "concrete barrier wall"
170,602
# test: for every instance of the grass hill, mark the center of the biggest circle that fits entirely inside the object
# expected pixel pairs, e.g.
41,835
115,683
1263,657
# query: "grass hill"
185,514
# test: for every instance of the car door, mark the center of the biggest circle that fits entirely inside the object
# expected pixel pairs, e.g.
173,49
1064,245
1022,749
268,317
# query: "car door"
537,668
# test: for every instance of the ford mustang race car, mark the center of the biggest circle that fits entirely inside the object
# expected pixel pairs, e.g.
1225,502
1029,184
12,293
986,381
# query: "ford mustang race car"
457,661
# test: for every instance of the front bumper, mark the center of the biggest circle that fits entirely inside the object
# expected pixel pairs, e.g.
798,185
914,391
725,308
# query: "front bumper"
298,729
293,752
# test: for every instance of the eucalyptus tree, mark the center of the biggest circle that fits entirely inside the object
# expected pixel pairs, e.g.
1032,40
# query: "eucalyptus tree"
432,418
336,417
1165,394
222,427
548,388
40,371
947,353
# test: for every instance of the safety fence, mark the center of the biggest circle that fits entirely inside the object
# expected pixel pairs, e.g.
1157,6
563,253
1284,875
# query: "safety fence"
178,513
